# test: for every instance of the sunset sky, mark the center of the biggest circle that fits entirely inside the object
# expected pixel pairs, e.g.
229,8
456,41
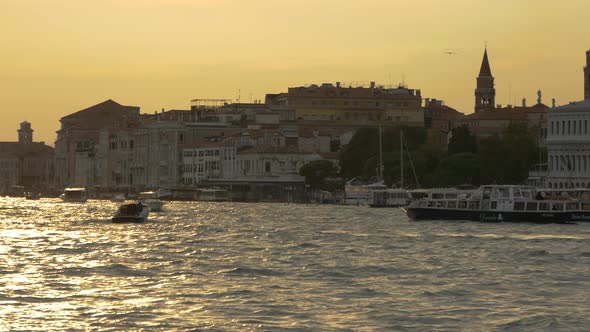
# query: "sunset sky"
60,56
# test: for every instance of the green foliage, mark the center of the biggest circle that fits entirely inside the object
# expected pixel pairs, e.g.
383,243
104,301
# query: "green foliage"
462,140
321,175
457,169
502,160
360,158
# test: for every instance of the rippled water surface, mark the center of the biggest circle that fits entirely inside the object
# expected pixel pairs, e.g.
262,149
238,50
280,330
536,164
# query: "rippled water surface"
232,266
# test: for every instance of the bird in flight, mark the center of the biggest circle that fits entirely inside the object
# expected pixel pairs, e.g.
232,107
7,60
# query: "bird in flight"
450,52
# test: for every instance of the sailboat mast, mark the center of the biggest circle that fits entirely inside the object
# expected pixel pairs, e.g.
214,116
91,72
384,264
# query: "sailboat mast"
380,155
401,156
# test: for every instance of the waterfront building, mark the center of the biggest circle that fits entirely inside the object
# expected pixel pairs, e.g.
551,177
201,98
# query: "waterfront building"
351,105
25,163
94,146
568,142
439,120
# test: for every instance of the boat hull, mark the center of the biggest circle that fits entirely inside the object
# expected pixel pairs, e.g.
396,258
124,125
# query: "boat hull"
498,216
131,213
127,219
155,205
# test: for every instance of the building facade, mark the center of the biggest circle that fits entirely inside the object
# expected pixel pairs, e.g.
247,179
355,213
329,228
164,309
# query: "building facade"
26,164
568,142
351,105
568,146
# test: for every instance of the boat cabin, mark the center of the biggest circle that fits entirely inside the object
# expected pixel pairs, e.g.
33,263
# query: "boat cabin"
504,198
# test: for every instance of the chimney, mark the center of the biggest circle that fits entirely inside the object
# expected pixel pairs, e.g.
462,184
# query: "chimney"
337,84
523,102
419,93
372,85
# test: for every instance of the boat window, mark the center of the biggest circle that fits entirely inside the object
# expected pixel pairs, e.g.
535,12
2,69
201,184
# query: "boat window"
531,206
572,206
526,194
440,204
462,204
504,192
544,206
586,206
558,207
494,193
517,193
422,204
437,196
519,206
474,205
451,196
494,205
429,203
452,204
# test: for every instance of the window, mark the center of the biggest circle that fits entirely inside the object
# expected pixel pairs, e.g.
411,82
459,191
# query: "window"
531,206
519,206
267,166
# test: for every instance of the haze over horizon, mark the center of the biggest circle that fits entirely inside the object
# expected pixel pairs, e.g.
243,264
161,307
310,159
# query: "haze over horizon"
62,56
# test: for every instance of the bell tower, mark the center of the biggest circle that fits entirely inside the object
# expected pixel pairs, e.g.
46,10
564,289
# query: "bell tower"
587,77
485,94
25,133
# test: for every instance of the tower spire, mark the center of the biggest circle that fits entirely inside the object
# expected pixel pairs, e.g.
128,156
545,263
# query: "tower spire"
485,70
485,94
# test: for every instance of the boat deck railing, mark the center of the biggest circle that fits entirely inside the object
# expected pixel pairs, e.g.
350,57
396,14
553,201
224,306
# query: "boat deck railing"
524,205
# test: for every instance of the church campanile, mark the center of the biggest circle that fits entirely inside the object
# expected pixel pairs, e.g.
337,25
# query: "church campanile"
485,94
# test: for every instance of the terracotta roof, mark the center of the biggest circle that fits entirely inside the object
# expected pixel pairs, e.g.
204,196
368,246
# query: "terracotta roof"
496,115
19,149
100,115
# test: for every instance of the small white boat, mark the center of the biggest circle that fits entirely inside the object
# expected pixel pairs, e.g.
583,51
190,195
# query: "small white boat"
135,212
74,195
213,195
150,199
118,198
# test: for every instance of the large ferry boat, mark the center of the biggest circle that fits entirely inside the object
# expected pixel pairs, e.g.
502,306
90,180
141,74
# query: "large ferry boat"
497,203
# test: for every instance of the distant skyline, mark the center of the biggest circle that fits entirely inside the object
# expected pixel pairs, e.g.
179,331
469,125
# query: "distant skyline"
61,56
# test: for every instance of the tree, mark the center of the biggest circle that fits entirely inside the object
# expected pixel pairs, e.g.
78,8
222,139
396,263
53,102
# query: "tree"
458,169
462,141
320,175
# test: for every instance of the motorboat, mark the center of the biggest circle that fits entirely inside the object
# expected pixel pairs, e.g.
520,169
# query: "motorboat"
501,203
134,212
118,198
74,195
392,197
213,195
151,199
32,195
361,194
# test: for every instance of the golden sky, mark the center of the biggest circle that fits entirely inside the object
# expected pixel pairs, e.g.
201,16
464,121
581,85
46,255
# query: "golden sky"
60,56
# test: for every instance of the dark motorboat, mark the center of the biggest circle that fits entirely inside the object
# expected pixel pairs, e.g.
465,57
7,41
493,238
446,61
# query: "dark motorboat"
135,212
32,195
497,203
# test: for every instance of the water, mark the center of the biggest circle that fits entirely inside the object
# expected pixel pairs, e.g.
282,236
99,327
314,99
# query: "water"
240,267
